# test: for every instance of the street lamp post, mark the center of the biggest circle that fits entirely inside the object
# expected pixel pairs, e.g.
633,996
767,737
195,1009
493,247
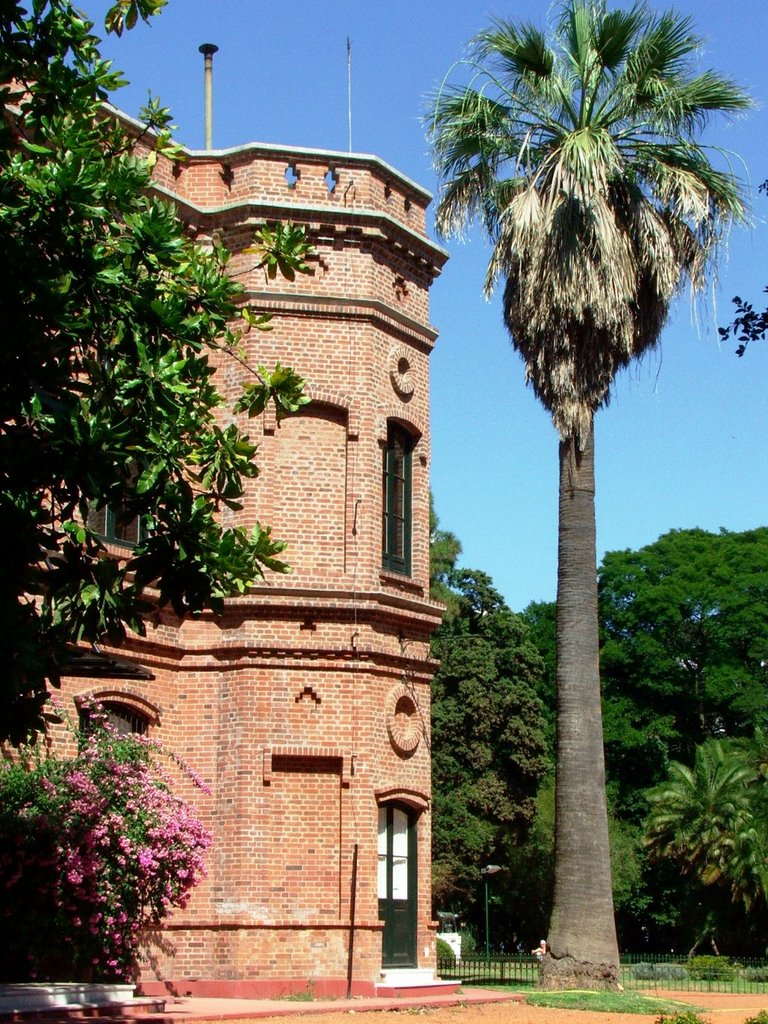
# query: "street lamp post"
489,869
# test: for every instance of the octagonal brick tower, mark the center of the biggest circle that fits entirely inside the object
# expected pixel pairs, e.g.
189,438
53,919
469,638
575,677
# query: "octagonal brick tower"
305,706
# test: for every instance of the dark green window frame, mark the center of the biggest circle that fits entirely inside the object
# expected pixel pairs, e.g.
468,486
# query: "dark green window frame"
116,528
396,494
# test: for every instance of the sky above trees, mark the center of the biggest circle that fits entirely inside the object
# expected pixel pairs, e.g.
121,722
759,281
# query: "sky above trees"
682,444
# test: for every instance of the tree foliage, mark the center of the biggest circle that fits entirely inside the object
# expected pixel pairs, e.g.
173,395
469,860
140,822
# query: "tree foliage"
684,623
749,324
489,753
525,889
579,153
707,818
684,652
107,389
444,550
710,821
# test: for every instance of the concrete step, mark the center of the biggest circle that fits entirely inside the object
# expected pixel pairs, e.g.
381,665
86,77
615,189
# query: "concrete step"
413,982
71,1000
136,1008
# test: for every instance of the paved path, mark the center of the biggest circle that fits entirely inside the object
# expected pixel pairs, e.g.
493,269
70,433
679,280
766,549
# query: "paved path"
190,1009
489,1006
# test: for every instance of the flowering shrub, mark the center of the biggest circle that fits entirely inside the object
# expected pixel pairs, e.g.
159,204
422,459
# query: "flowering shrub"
93,848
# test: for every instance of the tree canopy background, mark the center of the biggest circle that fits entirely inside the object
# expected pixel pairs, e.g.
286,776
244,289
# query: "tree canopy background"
684,625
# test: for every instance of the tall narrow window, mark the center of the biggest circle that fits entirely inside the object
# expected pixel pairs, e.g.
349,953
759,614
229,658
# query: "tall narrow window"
116,524
396,491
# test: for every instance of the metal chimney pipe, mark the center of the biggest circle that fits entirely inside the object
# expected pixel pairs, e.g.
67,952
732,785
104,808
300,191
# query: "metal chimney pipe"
208,50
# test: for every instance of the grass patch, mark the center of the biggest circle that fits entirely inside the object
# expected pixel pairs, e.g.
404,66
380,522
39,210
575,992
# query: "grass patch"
304,995
606,1002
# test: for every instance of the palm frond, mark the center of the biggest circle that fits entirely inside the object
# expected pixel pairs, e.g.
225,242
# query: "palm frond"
467,126
516,51
704,818
615,34
518,61
576,31
685,180
664,50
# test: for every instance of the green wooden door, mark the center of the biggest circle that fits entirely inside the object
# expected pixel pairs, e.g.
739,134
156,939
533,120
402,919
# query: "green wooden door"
397,885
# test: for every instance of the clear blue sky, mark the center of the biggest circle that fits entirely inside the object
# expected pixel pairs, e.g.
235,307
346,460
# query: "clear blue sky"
684,441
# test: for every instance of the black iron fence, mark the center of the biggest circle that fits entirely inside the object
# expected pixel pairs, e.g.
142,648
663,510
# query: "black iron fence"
639,971
496,970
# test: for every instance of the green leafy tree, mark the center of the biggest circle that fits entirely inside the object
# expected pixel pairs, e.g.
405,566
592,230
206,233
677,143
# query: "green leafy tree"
444,550
579,155
107,390
684,624
525,888
685,648
488,748
541,618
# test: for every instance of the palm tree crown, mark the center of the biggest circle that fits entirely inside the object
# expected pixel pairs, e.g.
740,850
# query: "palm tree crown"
579,156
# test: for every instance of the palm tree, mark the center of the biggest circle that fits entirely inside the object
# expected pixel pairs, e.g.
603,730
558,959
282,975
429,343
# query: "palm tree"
709,820
578,153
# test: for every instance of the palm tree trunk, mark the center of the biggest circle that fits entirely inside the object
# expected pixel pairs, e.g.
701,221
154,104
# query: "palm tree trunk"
583,951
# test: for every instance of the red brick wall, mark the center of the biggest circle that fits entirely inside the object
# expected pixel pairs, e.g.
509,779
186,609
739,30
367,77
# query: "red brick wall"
286,705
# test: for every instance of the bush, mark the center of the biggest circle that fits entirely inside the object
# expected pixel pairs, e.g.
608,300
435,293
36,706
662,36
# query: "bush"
759,1018
659,972
711,968
446,956
684,1017
93,848
671,972
644,971
756,974
468,946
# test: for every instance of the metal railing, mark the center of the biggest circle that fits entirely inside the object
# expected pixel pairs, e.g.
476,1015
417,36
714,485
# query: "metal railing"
515,970
643,972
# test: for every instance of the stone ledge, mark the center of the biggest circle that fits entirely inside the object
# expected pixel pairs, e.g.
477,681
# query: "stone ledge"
73,1000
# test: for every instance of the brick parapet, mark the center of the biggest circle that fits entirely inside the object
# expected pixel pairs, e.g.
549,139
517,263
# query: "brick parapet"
298,175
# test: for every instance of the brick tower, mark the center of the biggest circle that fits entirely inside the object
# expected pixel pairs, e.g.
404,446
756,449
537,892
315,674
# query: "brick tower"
305,706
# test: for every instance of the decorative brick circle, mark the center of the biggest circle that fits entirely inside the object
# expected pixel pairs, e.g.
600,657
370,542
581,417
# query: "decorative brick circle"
400,371
403,721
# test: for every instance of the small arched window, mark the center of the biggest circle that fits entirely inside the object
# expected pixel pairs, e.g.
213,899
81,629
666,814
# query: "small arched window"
124,719
396,496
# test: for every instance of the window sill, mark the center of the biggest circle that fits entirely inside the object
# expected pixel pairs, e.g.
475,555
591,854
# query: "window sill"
401,581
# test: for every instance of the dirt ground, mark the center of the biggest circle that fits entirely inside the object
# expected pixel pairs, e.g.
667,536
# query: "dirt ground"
715,1007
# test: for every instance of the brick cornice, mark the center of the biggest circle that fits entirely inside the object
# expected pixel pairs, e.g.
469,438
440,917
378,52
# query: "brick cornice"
322,157
338,307
248,150
375,225
333,603
351,658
